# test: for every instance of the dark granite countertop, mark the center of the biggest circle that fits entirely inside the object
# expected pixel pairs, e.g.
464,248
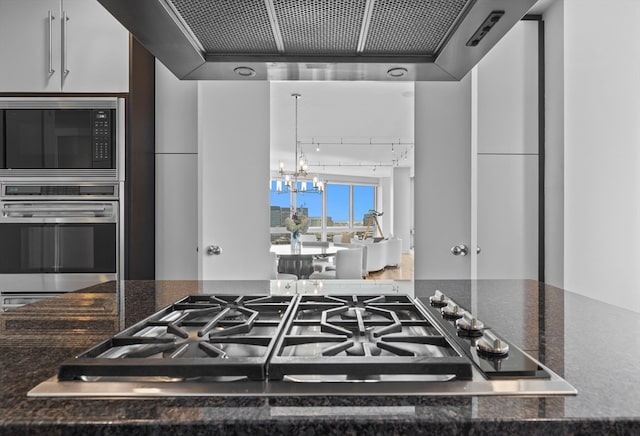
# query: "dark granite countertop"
593,345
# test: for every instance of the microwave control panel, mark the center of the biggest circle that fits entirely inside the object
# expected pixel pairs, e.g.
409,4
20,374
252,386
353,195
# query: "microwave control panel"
102,138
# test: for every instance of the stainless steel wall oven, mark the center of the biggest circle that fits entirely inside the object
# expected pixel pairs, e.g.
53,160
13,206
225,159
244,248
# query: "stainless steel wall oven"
57,238
62,171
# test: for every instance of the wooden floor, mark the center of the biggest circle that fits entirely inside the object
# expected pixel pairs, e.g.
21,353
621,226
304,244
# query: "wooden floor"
402,272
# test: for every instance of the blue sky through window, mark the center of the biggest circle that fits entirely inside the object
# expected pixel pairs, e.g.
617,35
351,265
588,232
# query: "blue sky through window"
312,201
279,199
363,202
337,203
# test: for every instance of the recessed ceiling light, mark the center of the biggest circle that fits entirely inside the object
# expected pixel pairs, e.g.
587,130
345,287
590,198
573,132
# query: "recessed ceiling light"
244,71
397,72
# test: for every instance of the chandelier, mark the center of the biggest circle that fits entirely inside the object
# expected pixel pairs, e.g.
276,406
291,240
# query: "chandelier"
298,180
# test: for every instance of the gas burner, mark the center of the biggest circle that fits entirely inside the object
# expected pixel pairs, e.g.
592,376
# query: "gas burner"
351,313
201,336
234,315
363,335
363,349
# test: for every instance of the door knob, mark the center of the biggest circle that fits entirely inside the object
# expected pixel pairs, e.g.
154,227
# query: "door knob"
213,249
459,250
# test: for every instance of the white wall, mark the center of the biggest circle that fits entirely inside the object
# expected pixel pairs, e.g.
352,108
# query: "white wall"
331,111
402,207
385,202
602,150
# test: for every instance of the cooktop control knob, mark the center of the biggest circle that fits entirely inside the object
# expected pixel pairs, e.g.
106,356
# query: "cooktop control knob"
438,299
452,311
469,325
492,345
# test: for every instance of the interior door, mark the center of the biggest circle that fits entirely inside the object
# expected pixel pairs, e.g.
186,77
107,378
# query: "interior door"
233,180
442,179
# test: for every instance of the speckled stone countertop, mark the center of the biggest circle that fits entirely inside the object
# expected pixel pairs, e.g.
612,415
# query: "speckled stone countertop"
593,345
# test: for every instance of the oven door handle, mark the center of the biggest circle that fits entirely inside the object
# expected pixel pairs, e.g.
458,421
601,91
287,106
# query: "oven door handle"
26,211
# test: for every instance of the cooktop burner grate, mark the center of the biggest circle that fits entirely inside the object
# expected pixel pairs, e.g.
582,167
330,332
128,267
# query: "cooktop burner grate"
363,337
199,336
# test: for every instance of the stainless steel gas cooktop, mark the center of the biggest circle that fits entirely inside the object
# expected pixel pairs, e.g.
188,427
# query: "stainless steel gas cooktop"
275,345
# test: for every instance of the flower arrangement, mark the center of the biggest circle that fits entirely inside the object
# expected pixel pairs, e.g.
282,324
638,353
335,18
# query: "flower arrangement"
297,224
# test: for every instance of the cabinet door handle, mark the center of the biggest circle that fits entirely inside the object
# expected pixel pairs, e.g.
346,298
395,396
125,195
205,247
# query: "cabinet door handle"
51,18
65,67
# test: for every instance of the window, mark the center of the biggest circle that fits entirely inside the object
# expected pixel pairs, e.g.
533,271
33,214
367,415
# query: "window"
338,206
280,206
364,200
311,205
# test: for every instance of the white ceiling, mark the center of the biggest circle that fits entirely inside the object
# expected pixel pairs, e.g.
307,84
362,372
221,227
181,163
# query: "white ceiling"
359,125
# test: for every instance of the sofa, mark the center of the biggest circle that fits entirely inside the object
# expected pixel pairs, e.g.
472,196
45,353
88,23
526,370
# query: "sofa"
379,255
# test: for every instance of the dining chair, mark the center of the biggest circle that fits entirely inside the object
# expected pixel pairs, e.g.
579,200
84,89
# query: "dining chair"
275,275
361,246
348,266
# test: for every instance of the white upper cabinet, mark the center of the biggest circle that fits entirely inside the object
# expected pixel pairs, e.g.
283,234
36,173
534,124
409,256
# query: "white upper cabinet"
96,56
30,46
62,46
508,93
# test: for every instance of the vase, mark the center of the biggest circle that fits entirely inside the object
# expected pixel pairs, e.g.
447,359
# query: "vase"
296,243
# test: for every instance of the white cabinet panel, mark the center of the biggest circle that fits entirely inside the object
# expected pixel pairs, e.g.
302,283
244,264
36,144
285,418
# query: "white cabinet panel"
29,46
176,216
176,113
176,177
508,93
508,217
442,178
35,50
97,49
233,150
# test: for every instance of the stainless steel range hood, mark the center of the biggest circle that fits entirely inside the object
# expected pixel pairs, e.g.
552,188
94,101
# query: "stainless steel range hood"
418,40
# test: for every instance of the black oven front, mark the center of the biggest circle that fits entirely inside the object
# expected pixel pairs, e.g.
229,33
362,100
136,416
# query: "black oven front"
66,138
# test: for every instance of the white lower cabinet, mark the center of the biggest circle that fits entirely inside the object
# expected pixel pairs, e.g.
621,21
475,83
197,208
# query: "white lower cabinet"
176,216
508,216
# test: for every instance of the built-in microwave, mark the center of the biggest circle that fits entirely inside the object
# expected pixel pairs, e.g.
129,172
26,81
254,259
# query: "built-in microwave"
70,138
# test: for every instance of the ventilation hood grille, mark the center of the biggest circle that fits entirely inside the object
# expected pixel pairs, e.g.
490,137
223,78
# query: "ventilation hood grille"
318,39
